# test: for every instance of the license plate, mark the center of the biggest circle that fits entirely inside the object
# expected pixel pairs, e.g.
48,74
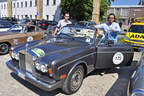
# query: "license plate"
20,74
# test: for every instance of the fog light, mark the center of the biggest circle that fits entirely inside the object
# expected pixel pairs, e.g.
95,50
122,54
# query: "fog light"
38,66
44,68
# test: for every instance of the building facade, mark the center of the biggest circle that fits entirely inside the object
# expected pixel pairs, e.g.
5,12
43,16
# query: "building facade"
28,8
126,12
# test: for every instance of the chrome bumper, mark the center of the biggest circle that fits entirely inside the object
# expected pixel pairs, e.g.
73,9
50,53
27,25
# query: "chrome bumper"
28,77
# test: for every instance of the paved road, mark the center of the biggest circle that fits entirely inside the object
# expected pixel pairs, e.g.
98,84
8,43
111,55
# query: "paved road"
113,83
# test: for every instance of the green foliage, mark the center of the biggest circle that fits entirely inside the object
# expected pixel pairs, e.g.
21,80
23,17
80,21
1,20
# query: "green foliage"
82,9
141,2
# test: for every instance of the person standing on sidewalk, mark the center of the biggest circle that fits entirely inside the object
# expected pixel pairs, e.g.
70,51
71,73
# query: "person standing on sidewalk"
110,28
62,23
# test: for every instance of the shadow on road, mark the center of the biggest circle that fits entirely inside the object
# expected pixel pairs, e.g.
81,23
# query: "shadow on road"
34,88
120,87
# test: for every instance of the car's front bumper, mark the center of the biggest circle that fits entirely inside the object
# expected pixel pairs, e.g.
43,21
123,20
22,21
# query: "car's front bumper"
30,78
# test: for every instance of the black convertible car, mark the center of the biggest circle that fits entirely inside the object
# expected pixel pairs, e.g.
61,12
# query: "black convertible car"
64,60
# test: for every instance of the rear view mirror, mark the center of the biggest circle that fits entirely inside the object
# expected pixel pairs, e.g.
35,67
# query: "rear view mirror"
110,42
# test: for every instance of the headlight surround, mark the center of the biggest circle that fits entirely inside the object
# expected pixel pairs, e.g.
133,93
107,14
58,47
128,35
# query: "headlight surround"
41,67
15,55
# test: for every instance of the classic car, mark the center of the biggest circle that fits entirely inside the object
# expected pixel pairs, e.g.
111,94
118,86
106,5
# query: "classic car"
18,34
5,26
136,84
86,23
64,60
44,24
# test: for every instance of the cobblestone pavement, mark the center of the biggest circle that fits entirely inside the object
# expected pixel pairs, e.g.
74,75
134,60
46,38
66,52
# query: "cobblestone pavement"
113,83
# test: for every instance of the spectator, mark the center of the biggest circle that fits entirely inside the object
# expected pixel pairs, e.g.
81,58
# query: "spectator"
110,28
62,23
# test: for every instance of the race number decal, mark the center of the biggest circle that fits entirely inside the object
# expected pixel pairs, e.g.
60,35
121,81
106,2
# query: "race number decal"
118,58
39,52
29,39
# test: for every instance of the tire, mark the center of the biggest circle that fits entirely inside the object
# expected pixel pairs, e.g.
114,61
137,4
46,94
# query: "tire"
4,48
74,81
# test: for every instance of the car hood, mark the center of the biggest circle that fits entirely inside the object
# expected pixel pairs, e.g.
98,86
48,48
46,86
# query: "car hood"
54,46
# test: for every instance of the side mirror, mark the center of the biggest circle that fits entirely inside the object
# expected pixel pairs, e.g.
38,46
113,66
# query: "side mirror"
125,30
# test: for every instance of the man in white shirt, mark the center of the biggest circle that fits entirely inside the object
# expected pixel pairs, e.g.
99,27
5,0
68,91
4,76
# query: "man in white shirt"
110,28
62,23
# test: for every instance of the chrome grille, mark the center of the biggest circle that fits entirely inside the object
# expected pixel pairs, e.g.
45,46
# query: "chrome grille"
22,61
25,62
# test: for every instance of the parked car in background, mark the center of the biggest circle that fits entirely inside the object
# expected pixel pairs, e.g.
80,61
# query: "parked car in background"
5,25
64,61
86,23
135,35
10,19
19,34
45,23
25,21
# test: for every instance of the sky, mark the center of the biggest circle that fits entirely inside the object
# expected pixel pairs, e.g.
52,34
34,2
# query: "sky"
125,2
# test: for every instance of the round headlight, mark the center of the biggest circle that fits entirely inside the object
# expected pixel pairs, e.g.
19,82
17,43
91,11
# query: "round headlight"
15,55
38,66
44,69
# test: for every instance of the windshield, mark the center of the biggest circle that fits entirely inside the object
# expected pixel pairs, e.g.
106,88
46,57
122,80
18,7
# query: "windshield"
16,28
77,33
137,28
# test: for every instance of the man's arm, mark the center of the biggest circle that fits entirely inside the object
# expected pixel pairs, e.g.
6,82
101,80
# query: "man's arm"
56,30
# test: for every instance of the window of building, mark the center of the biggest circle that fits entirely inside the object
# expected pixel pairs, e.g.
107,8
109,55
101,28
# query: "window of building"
13,5
17,4
4,6
26,16
47,2
30,3
21,4
35,16
1,6
53,17
54,2
31,16
47,16
18,16
22,16
35,2
25,3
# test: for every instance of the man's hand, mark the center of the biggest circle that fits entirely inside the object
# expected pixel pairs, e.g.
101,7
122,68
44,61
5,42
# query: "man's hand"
53,34
111,30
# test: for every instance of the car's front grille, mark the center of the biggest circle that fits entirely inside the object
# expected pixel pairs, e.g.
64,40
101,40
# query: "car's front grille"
22,62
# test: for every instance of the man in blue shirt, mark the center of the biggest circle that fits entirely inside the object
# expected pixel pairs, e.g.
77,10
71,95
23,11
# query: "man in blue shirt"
110,28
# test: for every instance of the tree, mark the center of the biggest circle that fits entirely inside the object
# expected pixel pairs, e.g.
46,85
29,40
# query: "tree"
82,9
141,2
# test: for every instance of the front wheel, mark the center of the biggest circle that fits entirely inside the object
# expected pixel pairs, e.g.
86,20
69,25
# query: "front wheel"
4,48
74,80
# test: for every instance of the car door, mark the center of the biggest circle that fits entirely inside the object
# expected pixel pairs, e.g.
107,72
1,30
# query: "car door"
34,33
18,35
112,55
